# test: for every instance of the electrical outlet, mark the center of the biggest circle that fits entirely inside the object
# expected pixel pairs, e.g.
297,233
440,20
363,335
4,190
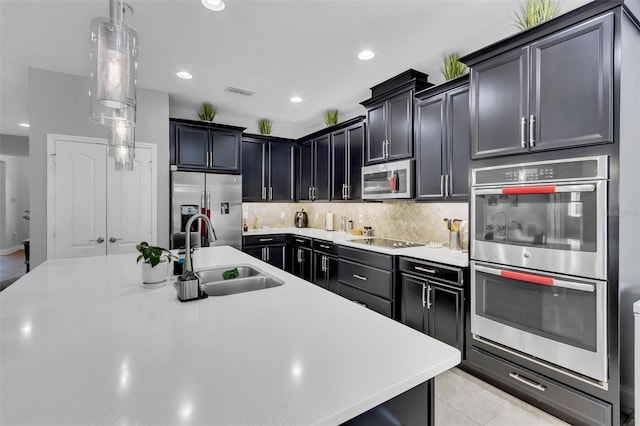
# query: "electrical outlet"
15,235
283,215
361,218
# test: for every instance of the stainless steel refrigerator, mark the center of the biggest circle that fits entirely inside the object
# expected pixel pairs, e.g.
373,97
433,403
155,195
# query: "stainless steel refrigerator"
217,196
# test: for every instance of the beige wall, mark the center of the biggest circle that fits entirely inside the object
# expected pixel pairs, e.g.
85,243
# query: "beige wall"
405,220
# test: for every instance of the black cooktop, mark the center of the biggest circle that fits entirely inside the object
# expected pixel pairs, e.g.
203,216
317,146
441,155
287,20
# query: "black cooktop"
386,242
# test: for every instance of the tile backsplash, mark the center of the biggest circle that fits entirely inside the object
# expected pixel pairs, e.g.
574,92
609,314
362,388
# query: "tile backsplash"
405,220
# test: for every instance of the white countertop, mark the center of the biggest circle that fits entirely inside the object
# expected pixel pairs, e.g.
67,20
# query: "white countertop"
441,255
82,342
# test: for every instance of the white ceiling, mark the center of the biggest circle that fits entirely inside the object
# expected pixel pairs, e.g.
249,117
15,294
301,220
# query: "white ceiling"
277,48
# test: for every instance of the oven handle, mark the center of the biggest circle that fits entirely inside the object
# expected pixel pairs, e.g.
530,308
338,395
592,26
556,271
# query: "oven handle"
544,189
536,279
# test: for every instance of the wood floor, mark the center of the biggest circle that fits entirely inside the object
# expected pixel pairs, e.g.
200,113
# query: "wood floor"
12,265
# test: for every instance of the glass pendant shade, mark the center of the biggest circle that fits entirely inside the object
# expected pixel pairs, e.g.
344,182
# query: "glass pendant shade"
114,67
122,146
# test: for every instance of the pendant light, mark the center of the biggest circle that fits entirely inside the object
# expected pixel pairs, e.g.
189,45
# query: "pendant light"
114,65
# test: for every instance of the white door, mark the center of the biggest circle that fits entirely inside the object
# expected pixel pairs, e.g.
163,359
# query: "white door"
92,208
79,199
131,204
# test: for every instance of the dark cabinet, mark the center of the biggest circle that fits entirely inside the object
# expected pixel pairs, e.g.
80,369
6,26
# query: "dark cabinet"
314,179
390,135
443,142
267,169
301,257
325,265
432,301
550,94
271,249
347,151
198,146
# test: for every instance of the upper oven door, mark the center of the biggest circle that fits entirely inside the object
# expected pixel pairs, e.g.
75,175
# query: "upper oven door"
551,227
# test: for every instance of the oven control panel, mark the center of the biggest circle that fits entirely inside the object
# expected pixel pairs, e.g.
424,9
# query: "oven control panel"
559,170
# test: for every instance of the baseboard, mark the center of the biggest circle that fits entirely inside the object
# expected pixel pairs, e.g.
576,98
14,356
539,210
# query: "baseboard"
10,250
626,399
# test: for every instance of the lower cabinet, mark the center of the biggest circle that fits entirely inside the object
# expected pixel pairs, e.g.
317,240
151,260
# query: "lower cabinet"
325,271
271,249
301,256
433,301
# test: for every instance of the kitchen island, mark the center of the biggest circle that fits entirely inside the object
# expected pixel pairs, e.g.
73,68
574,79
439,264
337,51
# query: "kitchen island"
82,342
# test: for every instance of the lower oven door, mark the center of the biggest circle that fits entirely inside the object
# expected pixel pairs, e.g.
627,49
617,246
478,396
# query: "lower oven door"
553,318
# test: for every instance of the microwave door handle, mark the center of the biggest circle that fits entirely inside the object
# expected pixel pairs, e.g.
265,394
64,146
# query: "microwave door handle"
537,279
538,189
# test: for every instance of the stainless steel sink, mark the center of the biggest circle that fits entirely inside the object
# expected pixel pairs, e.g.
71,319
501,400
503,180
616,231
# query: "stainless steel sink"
249,279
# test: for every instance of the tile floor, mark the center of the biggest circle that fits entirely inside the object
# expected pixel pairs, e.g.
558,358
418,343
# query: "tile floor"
464,400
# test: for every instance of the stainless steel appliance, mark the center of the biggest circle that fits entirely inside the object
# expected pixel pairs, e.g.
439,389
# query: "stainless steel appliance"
301,219
217,196
549,216
539,263
386,242
388,180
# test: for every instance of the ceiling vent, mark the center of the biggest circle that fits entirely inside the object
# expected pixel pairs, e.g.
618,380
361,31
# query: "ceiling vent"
237,91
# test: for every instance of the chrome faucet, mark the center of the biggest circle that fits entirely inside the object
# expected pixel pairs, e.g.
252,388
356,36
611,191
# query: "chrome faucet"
187,248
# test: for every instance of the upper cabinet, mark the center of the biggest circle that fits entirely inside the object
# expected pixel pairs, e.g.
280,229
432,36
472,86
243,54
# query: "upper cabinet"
347,151
389,133
267,168
199,146
443,141
555,92
314,179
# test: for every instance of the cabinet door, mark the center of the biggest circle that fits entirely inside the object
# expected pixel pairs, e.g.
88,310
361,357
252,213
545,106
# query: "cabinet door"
400,126
355,138
302,263
339,165
305,171
254,251
430,148
322,181
499,103
331,273
319,276
458,143
376,133
571,86
281,171
254,154
276,255
446,314
412,311
225,151
192,147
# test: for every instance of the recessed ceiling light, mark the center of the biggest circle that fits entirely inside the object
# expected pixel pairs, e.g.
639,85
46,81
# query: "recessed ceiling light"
24,125
296,99
215,5
185,75
365,55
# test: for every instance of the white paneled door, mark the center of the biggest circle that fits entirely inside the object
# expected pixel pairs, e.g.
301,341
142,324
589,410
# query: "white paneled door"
92,208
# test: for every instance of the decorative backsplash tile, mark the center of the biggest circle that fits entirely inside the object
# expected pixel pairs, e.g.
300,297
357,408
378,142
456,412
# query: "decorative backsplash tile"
404,220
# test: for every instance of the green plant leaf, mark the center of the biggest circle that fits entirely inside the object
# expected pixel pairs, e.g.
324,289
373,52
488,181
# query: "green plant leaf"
207,112
452,67
264,126
331,117
534,12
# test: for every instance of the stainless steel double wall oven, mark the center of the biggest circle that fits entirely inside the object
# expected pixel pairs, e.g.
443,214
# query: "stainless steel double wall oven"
538,241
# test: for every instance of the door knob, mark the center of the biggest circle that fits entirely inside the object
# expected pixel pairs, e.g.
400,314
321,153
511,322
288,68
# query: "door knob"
113,239
100,240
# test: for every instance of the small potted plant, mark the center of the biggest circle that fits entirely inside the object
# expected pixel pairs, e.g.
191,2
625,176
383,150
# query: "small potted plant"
331,117
207,112
452,67
264,126
155,267
534,12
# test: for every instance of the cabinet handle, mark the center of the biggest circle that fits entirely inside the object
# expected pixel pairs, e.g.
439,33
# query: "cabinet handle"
271,192
424,302
99,240
344,191
324,263
263,254
264,240
325,247
299,256
114,239
360,277
428,271
299,240
211,159
388,143
532,130
442,186
348,192
309,193
523,132
266,249
359,303
446,186
384,149
527,382
428,297
264,192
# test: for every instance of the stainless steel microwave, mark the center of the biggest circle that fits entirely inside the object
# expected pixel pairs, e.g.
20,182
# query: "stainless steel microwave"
388,180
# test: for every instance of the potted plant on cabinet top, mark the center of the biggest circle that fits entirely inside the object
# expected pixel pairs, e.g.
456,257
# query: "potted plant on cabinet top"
534,12
207,112
155,267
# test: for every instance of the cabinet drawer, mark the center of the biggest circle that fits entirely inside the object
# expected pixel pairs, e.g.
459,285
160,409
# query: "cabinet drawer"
370,301
325,247
581,407
300,241
378,260
366,278
431,270
263,239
